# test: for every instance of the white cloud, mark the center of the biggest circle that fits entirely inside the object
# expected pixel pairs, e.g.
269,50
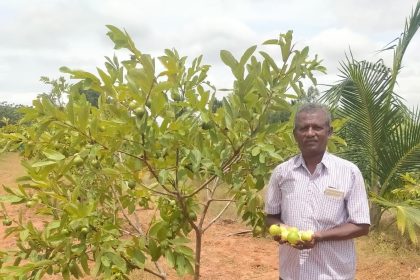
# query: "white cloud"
333,44
38,37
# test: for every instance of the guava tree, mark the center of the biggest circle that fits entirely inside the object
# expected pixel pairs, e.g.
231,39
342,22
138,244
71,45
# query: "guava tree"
131,181
382,134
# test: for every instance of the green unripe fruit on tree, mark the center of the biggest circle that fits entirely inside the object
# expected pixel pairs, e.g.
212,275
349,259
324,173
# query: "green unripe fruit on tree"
30,203
132,105
102,128
192,216
257,230
78,160
84,230
149,103
56,269
175,96
131,184
244,191
7,222
95,163
172,202
139,111
206,125
274,230
65,231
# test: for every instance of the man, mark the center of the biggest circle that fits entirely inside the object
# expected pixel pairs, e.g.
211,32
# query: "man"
321,192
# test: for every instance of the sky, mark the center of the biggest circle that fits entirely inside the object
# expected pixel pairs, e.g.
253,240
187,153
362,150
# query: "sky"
38,37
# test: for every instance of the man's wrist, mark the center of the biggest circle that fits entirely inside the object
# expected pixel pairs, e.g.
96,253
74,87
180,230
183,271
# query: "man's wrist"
318,236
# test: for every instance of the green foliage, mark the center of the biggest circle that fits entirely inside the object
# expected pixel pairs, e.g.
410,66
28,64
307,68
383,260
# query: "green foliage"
9,113
156,140
382,134
60,88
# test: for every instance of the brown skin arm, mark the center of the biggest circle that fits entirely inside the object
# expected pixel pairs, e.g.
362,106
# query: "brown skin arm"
343,232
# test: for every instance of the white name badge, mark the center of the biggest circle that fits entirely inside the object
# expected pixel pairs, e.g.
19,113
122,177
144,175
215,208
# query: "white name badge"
334,193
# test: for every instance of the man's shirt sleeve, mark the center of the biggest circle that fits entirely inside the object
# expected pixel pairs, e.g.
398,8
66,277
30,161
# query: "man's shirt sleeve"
357,202
273,195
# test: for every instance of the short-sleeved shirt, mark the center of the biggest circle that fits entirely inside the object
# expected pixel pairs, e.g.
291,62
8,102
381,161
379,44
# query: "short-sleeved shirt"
333,195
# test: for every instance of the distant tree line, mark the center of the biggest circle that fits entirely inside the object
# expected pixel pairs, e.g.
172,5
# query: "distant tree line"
9,113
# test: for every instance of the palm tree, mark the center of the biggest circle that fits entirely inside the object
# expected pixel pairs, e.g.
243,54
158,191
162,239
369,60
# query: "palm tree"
383,135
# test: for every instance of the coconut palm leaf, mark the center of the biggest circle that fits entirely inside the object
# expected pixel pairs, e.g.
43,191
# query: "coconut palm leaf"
412,24
401,153
363,98
383,136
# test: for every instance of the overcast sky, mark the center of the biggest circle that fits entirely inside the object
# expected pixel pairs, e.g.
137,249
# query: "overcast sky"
38,37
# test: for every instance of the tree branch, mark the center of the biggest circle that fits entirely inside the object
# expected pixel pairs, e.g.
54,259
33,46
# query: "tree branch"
221,212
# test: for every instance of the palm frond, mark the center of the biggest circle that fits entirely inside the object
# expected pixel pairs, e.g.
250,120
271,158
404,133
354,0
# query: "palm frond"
364,102
401,151
412,24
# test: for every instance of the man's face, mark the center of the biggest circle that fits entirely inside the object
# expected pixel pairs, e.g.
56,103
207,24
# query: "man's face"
312,132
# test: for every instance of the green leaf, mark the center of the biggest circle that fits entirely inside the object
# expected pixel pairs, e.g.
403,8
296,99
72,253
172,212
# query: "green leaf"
170,258
271,42
105,260
163,176
154,250
79,74
180,240
159,103
230,61
10,198
247,54
43,163
255,151
53,155
75,270
187,251
23,235
270,61
84,263
111,172
118,261
286,46
137,257
120,39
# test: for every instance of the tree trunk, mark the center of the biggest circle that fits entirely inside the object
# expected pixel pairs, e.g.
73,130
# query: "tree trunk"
198,236
375,215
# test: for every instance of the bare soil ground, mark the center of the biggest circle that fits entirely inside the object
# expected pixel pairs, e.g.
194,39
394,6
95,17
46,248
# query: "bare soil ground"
227,256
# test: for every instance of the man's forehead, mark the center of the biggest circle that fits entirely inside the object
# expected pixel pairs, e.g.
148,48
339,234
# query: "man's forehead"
315,117
312,115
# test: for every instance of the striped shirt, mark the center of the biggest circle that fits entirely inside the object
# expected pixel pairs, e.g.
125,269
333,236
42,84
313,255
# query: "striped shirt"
333,195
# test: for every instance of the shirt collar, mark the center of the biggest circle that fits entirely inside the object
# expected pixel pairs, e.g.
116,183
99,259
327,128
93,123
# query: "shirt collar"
326,160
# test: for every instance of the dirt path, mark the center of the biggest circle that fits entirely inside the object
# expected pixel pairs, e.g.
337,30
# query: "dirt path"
242,256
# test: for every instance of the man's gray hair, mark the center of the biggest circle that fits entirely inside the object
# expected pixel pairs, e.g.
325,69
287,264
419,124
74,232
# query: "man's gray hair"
311,108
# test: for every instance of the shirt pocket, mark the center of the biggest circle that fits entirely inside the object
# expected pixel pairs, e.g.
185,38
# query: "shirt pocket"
330,210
